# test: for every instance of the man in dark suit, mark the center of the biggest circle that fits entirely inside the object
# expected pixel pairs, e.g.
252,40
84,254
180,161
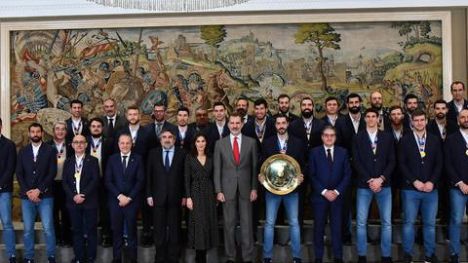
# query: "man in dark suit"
35,170
376,103
284,107
374,161
332,113
7,168
420,160
307,128
201,120
459,102
456,165
124,180
101,147
62,222
80,183
291,146
242,108
113,122
76,124
235,169
330,174
411,102
219,128
165,192
160,123
262,127
185,132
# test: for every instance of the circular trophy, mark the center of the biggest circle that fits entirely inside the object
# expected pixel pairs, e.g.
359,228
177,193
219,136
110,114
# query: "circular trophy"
281,174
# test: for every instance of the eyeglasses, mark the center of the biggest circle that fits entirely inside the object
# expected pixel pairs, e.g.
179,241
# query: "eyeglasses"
79,142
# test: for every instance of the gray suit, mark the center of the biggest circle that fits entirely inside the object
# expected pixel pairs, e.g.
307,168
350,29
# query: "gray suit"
236,182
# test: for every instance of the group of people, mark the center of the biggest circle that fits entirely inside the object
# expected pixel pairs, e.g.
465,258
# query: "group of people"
110,170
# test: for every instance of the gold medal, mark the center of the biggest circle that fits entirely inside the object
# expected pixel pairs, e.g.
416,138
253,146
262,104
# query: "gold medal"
77,176
466,152
94,154
423,154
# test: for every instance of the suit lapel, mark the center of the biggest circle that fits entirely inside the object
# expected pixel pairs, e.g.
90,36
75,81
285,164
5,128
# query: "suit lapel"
228,146
244,146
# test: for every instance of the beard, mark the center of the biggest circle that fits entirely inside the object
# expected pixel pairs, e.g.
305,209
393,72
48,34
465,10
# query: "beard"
241,111
355,109
281,131
97,135
307,113
377,106
464,125
284,110
36,139
440,115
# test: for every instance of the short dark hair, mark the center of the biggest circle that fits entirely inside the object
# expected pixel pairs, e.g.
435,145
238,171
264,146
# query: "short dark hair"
242,98
283,95
395,107
159,104
353,95
97,120
410,96
328,127
183,108
417,113
219,103
331,98
235,114
76,102
35,125
193,147
371,110
457,82
261,101
281,115
441,101
133,107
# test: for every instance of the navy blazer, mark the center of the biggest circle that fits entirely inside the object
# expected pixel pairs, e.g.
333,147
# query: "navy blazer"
89,181
84,131
39,174
212,134
7,164
249,130
322,177
456,158
369,165
413,167
345,131
296,128
327,121
152,140
131,183
140,147
452,113
450,128
165,187
188,140
69,148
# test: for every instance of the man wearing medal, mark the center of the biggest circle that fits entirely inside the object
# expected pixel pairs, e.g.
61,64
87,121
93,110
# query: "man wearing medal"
420,161
81,184
76,124
292,146
456,165
185,132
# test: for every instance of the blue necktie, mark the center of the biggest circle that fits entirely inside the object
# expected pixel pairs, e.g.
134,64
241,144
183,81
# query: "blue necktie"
167,165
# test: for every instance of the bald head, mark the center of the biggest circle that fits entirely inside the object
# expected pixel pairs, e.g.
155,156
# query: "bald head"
463,119
376,100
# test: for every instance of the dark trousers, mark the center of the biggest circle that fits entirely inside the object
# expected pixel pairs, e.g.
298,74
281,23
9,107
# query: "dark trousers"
146,217
61,216
167,233
121,215
323,209
84,222
104,220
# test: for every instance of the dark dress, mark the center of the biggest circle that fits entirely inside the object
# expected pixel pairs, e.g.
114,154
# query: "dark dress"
202,224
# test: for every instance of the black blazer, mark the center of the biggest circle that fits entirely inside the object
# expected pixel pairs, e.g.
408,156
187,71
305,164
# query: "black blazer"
89,181
152,140
139,147
39,174
397,177
107,149
131,183
7,164
345,131
200,129
249,130
413,167
369,165
165,187
296,128
189,136
212,135
69,148
450,128
327,121
84,131
119,123
452,113
456,158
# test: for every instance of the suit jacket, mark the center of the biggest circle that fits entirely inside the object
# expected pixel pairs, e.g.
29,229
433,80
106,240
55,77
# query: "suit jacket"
433,128
230,177
107,149
199,129
413,167
186,144
7,164
297,128
131,183
68,147
322,177
397,176
452,113
119,123
139,147
456,158
70,133
345,131
327,121
153,139
166,188
369,165
39,174
249,130
89,181
213,136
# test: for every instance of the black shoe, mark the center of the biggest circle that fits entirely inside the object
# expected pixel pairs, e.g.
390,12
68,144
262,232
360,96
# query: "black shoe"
267,260
297,260
387,260
362,259
106,241
146,240
230,261
12,260
117,261
318,261
431,259
51,260
337,260
407,258
28,260
454,259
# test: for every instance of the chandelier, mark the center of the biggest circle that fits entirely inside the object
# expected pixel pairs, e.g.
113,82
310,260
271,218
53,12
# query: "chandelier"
169,5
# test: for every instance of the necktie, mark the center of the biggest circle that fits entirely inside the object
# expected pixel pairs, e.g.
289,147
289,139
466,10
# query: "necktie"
167,164
110,130
124,163
329,157
158,128
235,151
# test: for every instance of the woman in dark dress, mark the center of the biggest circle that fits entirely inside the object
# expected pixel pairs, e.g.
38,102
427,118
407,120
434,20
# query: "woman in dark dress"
202,224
